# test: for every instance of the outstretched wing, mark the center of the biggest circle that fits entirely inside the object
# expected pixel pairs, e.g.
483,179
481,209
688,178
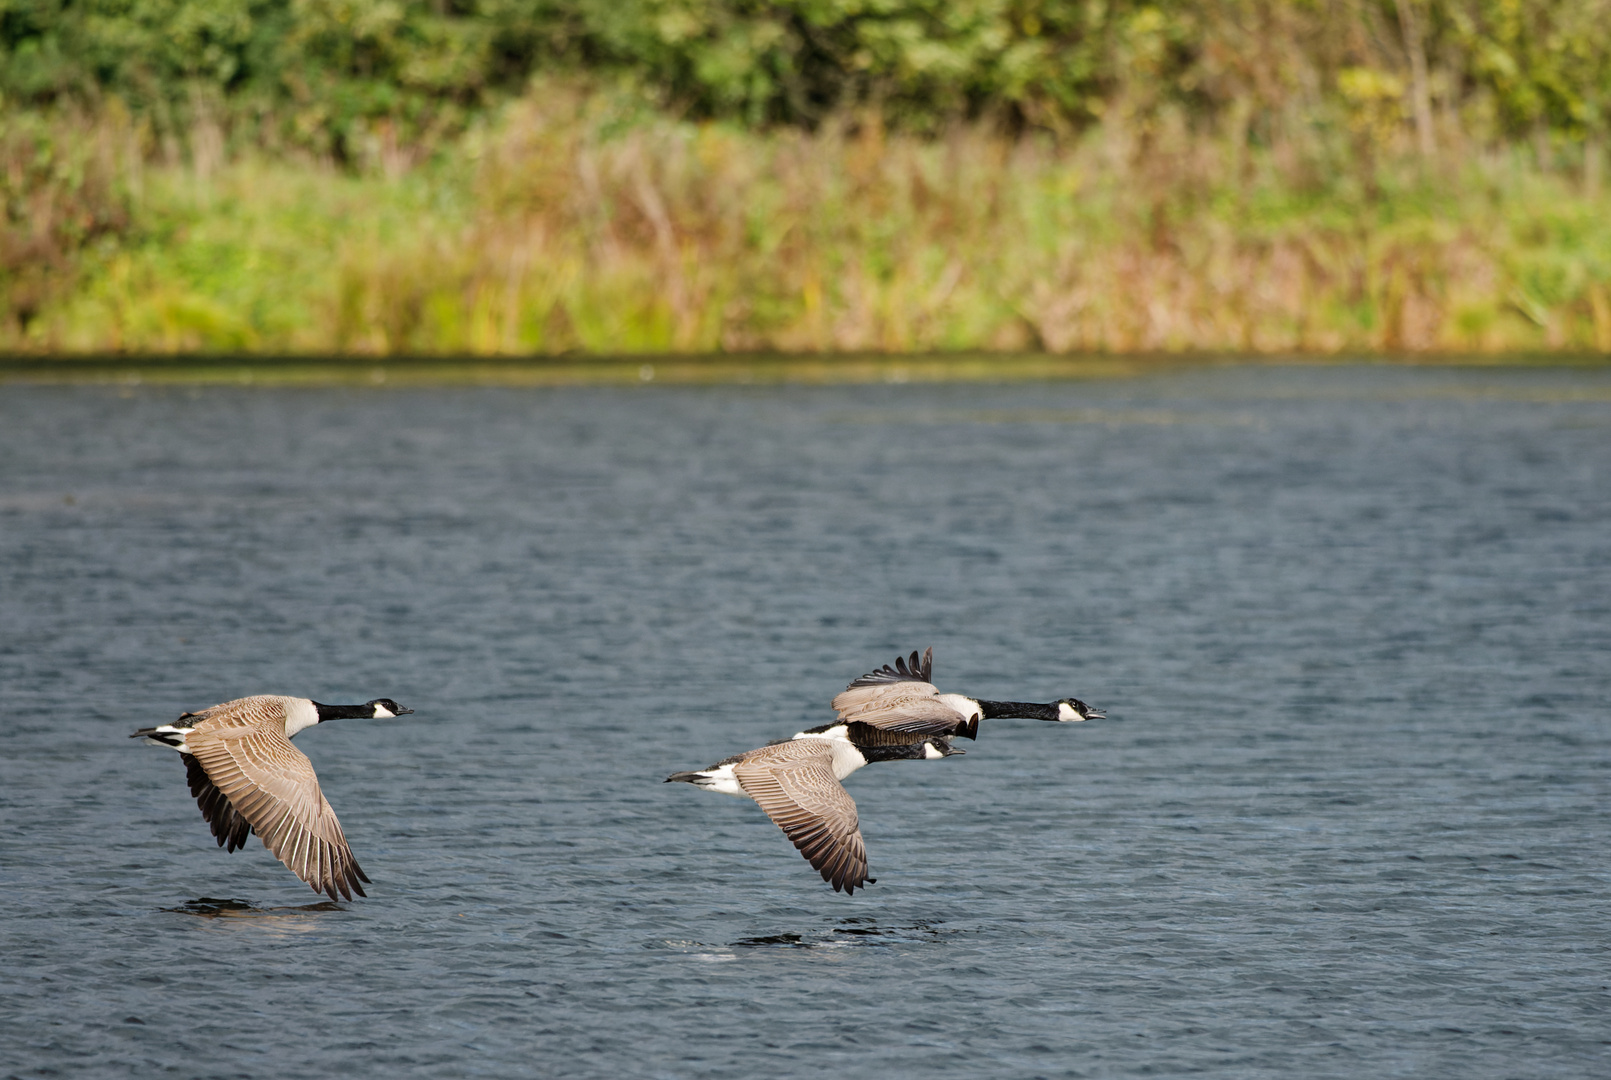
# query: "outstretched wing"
901,698
272,785
815,813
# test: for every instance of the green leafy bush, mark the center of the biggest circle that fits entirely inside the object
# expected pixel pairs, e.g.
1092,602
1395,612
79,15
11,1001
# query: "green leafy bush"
328,74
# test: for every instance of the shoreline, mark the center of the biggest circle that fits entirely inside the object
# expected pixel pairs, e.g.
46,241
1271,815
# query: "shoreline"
709,369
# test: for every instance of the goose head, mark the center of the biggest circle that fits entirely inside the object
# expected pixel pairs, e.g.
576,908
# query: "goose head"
1072,710
385,709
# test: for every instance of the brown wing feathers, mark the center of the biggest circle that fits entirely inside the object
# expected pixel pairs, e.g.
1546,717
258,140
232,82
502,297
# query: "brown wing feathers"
817,816
261,778
901,698
928,716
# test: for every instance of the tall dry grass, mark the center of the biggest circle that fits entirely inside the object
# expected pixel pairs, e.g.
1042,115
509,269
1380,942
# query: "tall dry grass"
576,226
672,237
67,182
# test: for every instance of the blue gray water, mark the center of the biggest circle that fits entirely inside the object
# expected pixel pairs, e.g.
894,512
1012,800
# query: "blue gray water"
1348,817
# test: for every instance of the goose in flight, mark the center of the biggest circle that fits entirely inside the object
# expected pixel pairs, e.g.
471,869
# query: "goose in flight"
797,783
247,777
902,698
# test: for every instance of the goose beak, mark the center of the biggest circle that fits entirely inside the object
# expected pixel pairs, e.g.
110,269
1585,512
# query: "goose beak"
1095,714
404,712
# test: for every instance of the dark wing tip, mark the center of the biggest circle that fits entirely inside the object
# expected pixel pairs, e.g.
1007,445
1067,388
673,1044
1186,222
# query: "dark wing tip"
846,882
913,669
838,867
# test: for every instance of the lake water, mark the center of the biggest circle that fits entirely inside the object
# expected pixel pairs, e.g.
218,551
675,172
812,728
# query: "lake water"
1348,818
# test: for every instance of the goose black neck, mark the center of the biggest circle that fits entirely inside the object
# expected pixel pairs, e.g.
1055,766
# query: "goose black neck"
344,712
1019,710
892,753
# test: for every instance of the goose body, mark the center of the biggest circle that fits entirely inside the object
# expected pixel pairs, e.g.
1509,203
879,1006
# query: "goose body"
797,783
904,699
247,777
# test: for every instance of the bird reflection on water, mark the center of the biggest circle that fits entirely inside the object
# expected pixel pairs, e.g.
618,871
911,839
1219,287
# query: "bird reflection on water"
851,932
209,907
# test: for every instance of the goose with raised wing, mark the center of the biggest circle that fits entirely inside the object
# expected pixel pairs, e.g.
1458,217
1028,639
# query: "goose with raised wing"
247,777
797,783
904,698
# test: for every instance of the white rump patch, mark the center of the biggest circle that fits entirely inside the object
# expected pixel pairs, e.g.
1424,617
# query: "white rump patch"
722,780
175,739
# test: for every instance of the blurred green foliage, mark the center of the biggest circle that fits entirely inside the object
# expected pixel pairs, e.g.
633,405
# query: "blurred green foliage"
63,189
326,74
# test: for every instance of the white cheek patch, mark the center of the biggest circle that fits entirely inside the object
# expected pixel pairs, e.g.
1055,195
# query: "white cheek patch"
383,713
1067,714
931,752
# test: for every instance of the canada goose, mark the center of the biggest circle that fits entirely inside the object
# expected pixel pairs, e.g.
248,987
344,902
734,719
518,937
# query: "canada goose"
901,698
247,777
796,782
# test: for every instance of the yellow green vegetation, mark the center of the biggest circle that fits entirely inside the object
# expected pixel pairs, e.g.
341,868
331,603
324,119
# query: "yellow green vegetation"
651,176
570,225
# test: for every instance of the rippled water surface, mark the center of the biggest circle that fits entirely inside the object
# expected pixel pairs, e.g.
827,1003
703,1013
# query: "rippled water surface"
1348,817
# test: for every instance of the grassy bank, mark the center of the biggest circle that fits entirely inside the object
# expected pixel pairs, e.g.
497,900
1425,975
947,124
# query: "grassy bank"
577,222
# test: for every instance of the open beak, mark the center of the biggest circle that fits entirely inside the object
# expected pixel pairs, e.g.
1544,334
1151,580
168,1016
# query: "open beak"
1095,714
